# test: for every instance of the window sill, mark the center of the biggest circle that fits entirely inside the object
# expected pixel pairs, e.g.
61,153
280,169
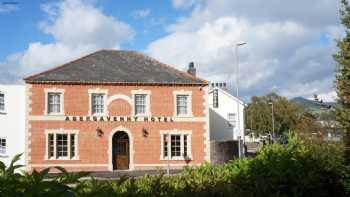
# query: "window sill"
3,113
142,115
184,116
4,156
62,159
176,159
99,115
54,114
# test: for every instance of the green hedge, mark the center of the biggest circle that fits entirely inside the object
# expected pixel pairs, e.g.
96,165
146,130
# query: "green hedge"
296,169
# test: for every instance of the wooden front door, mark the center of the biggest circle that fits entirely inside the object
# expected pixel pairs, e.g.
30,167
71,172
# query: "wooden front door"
120,151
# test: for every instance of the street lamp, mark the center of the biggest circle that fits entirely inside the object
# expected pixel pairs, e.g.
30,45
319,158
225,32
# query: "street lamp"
237,95
273,119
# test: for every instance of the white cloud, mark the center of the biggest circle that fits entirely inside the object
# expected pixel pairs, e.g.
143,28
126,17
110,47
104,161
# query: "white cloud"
142,13
183,4
6,8
284,52
77,28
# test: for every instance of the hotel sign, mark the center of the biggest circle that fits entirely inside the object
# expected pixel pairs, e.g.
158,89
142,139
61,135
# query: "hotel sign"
119,119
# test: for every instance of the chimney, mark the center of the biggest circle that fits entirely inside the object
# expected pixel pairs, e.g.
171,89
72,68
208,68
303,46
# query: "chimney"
191,69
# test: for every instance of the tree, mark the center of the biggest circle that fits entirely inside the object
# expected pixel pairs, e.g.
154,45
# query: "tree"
259,111
342,57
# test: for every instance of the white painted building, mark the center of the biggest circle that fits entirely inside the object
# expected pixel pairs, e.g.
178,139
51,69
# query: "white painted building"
225,124
12,121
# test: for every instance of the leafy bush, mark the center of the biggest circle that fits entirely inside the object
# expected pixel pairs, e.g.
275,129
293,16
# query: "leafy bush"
297,169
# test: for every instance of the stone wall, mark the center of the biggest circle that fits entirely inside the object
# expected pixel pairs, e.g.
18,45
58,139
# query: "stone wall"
223,151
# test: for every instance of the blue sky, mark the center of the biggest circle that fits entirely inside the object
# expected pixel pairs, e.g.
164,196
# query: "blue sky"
21,26
289,50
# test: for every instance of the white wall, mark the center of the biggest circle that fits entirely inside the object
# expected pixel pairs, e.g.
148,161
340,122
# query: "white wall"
219,123
12,122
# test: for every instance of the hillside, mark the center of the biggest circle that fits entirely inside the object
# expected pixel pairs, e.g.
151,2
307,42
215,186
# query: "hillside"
313,106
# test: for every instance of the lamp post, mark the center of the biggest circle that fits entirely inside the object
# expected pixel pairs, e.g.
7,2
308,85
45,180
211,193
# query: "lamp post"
237,95
273,119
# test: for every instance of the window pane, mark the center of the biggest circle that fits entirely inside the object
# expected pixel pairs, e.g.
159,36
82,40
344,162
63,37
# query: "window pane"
181,104
72,145
232,117
97,103
140,104
165,146
2,146
175,145
51,145
62,145
185,145
54,103
2,102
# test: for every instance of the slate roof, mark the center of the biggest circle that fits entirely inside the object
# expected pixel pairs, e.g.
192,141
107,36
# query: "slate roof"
115,66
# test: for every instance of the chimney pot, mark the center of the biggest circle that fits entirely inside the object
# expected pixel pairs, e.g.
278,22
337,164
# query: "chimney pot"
191,69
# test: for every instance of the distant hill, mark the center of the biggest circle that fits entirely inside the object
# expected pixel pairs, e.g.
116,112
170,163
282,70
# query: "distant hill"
313,106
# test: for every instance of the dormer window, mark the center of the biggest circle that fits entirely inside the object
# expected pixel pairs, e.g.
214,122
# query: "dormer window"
2,102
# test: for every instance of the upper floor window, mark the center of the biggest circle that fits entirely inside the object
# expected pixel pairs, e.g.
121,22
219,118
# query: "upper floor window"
2,145
216,98
2,102
97,102
54,103
140,104
232,119
182,104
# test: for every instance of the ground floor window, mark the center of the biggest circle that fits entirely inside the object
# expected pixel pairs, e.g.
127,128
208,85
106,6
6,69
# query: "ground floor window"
2,146
61,145
176,145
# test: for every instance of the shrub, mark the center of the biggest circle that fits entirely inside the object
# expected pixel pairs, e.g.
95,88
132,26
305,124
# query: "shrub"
300,168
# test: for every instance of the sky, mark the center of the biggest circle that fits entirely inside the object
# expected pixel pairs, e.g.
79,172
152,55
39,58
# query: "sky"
289,43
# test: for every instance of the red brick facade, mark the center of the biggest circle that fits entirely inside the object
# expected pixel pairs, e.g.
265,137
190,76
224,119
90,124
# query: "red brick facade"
93,150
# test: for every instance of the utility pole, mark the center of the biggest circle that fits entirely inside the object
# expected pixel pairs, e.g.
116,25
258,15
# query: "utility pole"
237,95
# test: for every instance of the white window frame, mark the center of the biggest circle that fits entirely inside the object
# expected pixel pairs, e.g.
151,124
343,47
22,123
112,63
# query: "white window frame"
68,133
3,93
189,103
234,115
98,91
182,133
54,91
232,122
148,102
3,148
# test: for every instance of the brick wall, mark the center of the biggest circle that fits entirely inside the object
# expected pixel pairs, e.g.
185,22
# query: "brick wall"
94,152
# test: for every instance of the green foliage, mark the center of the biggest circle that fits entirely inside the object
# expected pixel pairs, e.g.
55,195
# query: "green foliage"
342,57
300,168
259,111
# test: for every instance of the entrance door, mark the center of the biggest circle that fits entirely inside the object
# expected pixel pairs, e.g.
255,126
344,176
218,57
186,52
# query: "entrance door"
120,151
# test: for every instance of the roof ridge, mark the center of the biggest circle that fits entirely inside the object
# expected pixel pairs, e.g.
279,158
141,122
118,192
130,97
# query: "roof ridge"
171,67
60,66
